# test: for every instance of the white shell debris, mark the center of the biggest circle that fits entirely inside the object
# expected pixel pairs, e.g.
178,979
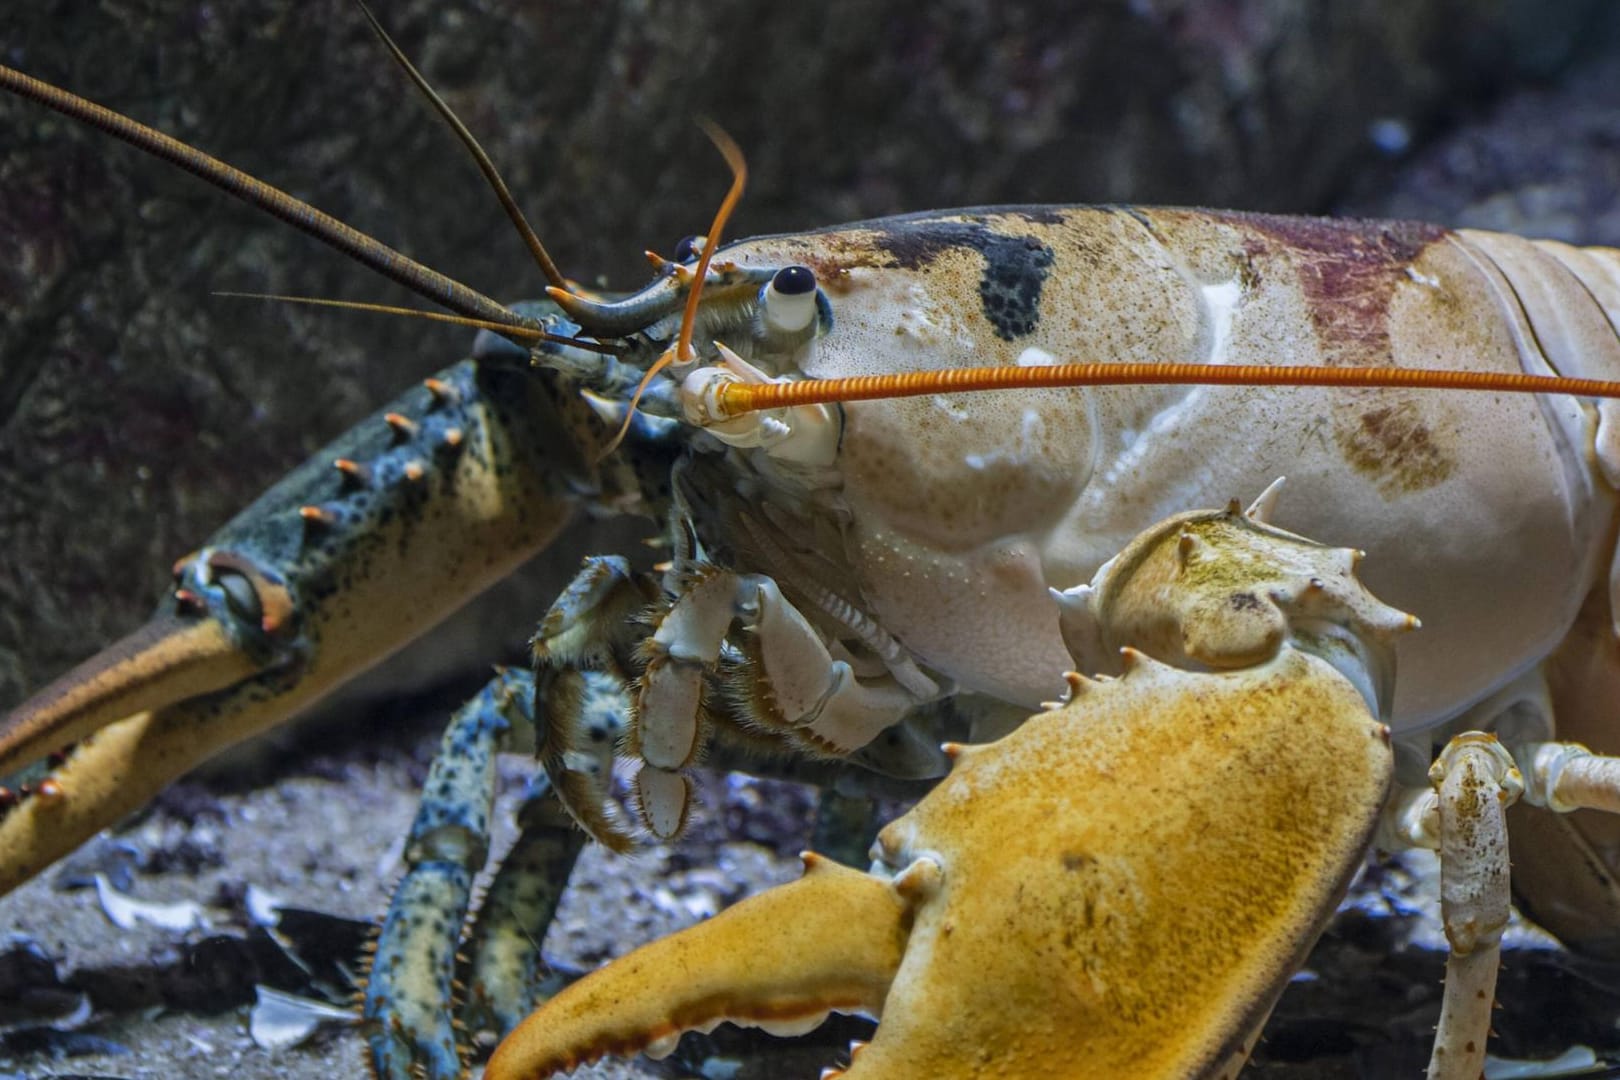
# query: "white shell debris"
1576,1061
281,1020
125,911
263,907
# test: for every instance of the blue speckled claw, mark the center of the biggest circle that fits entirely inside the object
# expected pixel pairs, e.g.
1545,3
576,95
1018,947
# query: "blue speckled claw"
294,596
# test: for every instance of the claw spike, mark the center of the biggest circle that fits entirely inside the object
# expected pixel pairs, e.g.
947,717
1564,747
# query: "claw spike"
920,880
1131,659
1265,505
443,393
403,426
353,471
1078,683
1187,547
610,411
317,515
415,471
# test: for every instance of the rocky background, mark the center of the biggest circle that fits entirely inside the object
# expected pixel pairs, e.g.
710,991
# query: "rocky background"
137,412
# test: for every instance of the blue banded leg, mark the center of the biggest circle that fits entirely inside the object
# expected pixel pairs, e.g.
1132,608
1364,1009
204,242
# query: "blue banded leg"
583,652
503,978
410,988
503,967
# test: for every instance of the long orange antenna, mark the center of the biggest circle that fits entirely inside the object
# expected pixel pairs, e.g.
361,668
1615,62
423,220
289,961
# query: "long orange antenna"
734,399
739,178
681,352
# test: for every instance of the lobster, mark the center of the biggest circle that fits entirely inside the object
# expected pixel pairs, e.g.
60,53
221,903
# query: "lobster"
979,286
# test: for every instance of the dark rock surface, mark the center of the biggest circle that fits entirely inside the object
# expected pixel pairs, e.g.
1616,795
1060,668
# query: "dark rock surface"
137,413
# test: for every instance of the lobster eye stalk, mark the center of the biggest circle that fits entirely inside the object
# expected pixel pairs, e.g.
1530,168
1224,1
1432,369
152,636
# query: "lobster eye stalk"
788,304
737,398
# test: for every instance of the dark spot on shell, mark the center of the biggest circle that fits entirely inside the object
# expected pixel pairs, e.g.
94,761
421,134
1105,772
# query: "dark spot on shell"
686,249
1077,860
1392,445
1015,267
1245,601
1041,215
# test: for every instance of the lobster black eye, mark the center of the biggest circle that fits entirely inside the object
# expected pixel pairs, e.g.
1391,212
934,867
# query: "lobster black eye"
688,248
794,280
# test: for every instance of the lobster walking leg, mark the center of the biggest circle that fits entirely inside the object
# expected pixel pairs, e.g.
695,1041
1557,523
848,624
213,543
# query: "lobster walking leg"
503,969
409,988
1565,863
1476,781
411,984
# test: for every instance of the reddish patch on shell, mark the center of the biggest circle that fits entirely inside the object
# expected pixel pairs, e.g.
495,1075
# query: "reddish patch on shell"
1348,270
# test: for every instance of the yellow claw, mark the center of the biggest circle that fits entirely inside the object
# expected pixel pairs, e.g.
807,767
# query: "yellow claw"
830,941
1116,889
171,658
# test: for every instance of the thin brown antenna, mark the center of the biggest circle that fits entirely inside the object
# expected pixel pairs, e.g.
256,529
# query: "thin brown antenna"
525,333
485,165
295,212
